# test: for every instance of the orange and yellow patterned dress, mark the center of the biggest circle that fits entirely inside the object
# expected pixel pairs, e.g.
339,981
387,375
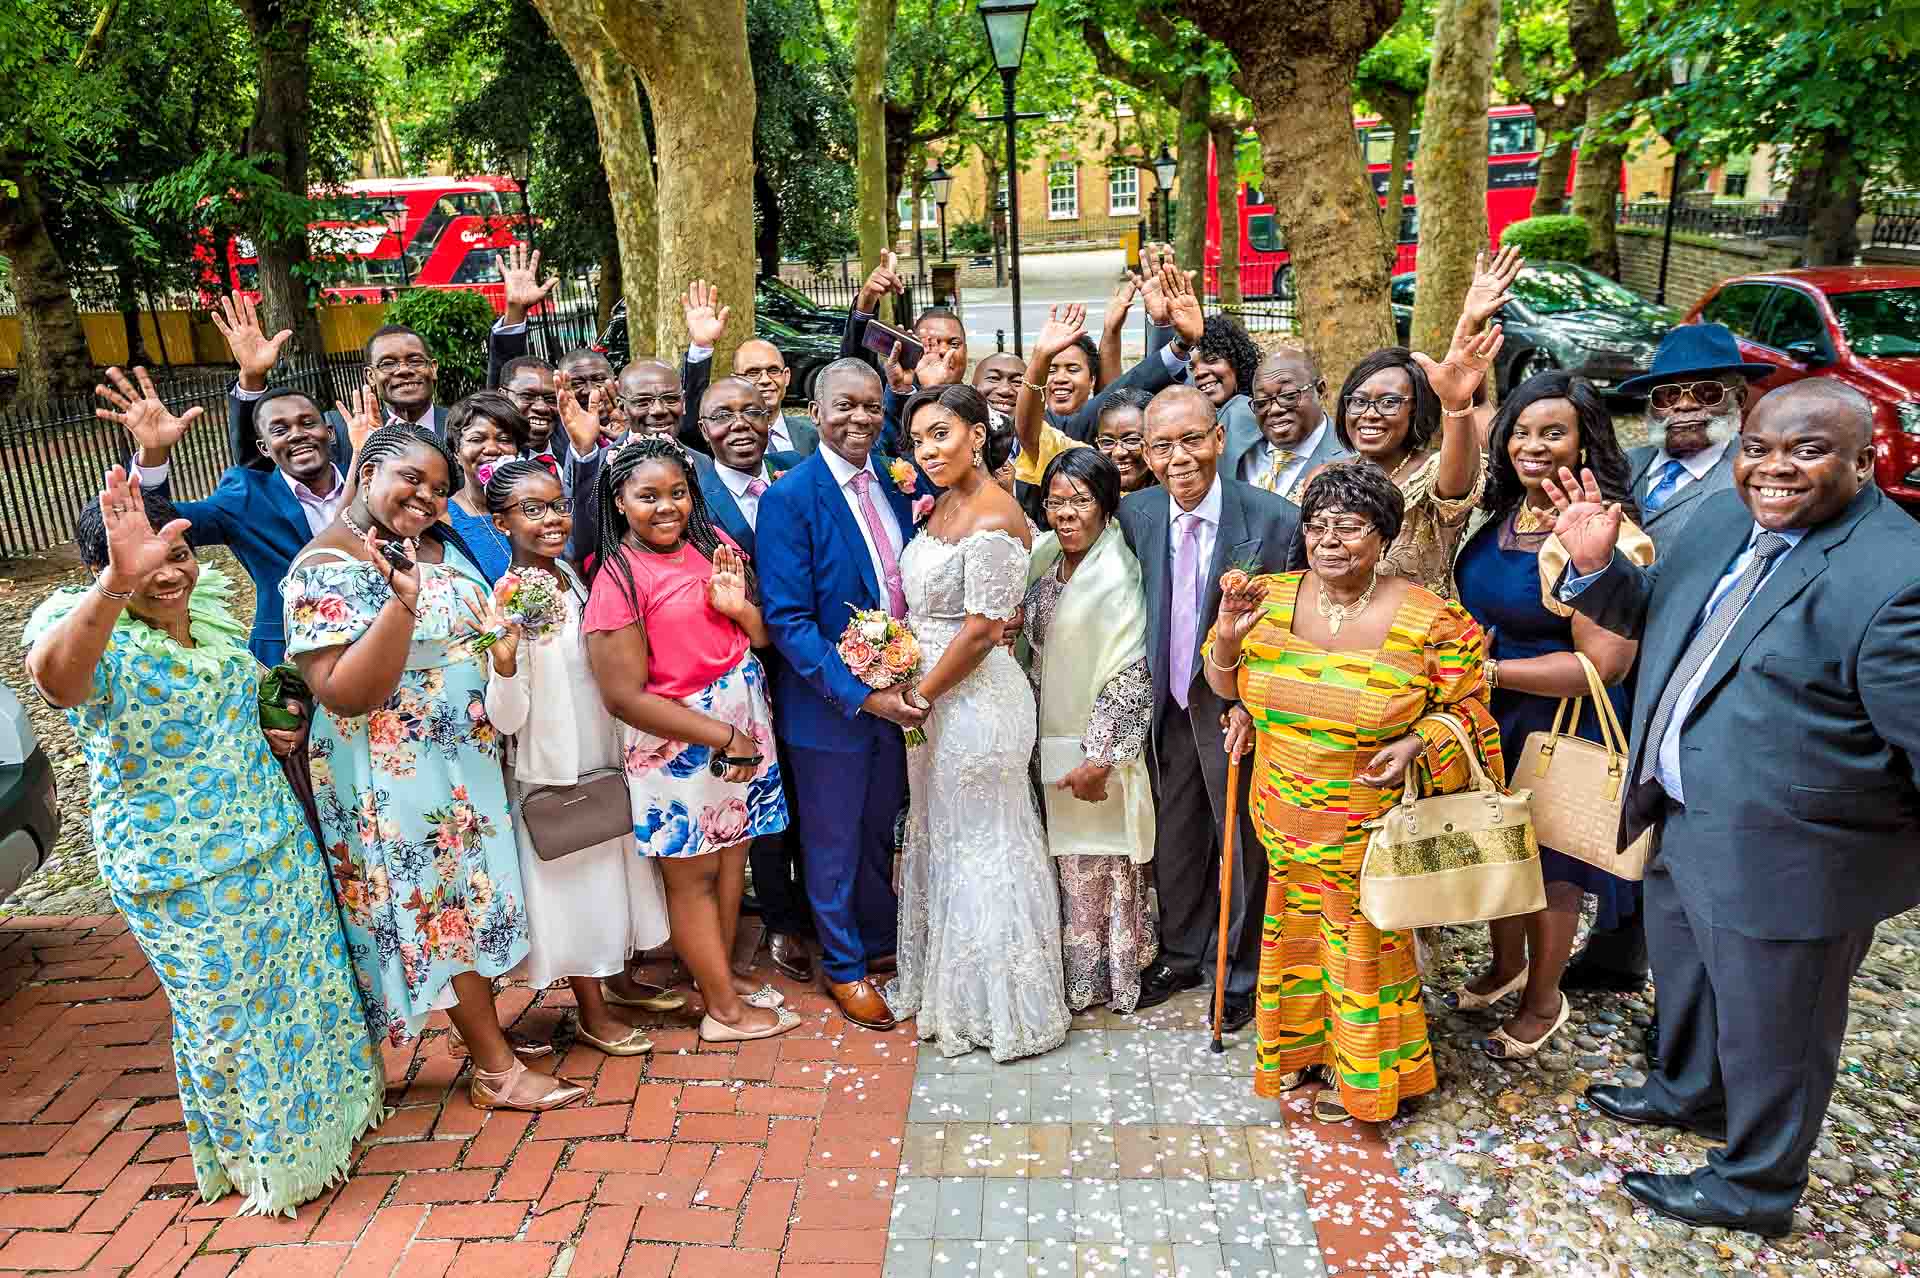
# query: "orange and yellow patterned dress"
1335,990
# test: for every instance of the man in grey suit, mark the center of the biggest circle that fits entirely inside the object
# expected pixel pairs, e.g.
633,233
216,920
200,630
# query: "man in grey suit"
1187,532
1776,743
1285,434
761,363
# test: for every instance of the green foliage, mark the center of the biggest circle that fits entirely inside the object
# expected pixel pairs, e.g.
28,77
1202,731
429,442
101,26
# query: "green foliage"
803,136
453,323
1397,64
971,236
1561,237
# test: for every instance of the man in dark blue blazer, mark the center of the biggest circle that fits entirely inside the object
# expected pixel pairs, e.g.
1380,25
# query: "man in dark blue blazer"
1776,760
830,536
265,511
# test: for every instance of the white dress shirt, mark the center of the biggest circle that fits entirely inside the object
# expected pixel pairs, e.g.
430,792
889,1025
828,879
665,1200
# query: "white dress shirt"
1666,764
1692,469
737,481
843,473
1208,512
320,511
1255,463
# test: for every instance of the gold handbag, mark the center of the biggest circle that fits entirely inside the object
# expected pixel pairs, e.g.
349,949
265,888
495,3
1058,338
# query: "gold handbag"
1451,858
1579,786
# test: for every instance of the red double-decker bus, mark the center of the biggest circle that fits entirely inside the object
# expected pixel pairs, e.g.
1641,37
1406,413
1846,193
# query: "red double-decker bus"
391,233
1513,172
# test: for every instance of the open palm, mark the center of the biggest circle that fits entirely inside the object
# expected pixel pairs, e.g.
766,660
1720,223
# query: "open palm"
149,421
134,549
1588,525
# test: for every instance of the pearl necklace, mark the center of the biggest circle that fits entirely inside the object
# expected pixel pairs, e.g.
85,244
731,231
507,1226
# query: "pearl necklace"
1338,615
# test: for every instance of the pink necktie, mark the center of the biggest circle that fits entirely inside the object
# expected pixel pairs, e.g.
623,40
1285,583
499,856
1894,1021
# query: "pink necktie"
1184,633
877,528
755,487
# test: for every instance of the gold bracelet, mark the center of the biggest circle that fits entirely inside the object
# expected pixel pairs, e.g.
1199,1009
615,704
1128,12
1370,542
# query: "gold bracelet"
1036,389
1492,669
1457,412
1207,654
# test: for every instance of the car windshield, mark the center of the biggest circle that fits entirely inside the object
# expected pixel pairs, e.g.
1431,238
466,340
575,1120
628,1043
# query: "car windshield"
1882,321
1555,288
786,293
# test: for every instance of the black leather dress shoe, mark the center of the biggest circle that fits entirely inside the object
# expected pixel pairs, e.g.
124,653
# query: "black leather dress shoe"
1160,983
1591,976
1677,1197
1235,1013
1629,1105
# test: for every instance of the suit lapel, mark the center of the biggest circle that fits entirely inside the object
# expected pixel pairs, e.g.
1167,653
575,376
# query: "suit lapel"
1717,540
287,506
1233,543
726,511
1155,557
1638,485
852,544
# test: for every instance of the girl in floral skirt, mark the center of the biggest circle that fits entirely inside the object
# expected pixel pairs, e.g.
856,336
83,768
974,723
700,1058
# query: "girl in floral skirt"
671,625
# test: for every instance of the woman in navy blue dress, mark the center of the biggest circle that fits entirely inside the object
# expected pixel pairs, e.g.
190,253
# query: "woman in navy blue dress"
1550,421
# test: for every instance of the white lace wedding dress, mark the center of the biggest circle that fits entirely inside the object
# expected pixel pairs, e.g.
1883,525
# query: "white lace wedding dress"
979,947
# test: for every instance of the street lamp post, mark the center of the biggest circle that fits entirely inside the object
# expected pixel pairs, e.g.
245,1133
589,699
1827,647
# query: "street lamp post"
1164,169
520,160
1006,22
941,183
1682,70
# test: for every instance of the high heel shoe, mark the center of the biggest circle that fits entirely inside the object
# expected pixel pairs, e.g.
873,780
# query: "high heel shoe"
1465,1000
515,1088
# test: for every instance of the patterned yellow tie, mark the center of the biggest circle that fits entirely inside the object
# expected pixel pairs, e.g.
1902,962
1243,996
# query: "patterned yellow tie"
1278,460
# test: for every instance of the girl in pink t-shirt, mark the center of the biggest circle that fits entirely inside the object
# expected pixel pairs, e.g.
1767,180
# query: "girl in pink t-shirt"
671,625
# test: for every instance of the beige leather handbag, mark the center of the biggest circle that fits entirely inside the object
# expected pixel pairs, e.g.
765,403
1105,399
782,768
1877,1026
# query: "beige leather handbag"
1451,858
1579,785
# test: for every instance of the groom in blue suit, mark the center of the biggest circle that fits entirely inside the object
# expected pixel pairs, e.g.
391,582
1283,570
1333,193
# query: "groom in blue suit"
830,536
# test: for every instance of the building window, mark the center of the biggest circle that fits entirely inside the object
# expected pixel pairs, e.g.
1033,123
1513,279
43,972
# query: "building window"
1734,186
1063,190
929,212
1123,191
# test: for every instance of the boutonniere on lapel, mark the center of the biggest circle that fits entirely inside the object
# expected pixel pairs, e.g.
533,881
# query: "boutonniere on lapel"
773,475
903,475
1235,580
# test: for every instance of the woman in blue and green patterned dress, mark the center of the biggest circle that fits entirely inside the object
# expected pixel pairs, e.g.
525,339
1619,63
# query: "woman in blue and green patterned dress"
207,852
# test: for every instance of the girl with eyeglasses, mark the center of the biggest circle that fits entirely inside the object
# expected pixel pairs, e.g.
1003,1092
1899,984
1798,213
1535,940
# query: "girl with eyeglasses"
484,430
589,910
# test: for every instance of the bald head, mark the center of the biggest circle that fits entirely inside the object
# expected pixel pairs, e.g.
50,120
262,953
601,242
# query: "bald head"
1804,454
1295,364
761,363
1183,444
1845,406
1179,404
650,397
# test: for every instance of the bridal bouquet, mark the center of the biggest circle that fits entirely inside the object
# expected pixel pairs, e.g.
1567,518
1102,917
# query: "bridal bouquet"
881,653
529,598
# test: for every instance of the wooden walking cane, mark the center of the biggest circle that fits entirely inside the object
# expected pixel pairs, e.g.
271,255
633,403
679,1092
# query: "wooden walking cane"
1226,896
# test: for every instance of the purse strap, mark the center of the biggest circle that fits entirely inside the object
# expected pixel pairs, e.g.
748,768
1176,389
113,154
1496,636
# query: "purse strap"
1611,734
1481,780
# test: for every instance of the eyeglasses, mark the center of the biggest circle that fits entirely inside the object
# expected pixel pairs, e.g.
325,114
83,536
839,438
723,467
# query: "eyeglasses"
393,364
1132,443
525,398
1383,406
1348,530
1286,399
590,380
645,403
539,509
765,373
1705,394
727,416
1080,505
1192,441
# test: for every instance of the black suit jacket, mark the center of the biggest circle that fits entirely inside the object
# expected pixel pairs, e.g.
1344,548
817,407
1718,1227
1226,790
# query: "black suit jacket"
1257,528
1800,752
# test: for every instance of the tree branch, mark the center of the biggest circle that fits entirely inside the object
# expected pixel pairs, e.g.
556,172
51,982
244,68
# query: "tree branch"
1111,64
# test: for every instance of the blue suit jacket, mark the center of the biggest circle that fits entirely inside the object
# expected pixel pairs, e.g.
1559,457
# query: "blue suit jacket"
814,571
721,505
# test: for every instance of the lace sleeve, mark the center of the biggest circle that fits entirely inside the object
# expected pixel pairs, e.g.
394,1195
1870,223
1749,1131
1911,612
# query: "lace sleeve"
995,565
1451,512
1117,729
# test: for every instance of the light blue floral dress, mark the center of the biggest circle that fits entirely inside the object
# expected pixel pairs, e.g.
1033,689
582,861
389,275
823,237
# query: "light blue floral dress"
412,799
206,851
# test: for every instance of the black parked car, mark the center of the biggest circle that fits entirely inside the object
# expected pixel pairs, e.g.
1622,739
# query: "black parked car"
29,811
1565,316
807,336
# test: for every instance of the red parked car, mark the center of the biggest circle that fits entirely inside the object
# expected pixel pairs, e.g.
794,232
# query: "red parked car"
1857,324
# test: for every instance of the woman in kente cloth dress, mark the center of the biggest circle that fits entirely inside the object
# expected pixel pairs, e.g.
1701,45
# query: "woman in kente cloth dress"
206,852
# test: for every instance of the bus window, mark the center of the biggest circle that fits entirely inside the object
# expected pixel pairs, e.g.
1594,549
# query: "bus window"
1380,146
1264,234
481,266
1511,135
477,203
1409,224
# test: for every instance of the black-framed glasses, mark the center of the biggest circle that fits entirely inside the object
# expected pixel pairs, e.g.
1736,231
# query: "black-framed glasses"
1380,405
727,416
1708,394
523,398
1132,443
1347,530
394,363
540,509
1286,399
645,403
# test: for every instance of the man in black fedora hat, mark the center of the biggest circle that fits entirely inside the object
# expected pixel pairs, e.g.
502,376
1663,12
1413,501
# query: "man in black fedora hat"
1696,392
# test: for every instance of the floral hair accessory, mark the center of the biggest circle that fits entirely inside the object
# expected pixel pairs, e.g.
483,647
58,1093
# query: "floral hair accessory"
484,473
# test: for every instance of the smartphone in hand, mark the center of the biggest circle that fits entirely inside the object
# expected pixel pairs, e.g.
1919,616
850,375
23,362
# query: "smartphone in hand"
880,338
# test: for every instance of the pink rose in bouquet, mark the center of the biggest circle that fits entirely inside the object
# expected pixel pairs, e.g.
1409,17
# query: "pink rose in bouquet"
881,653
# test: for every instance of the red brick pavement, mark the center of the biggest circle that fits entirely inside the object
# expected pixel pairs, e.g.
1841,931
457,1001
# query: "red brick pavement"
775,1158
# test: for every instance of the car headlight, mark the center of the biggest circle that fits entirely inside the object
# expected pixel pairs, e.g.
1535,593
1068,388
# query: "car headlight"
1909,413
1615,348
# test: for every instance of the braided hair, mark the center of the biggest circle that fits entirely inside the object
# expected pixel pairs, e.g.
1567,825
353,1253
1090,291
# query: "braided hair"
1222,336
506,477
619,468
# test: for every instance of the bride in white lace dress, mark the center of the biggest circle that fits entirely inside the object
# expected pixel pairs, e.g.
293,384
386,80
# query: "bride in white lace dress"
979,947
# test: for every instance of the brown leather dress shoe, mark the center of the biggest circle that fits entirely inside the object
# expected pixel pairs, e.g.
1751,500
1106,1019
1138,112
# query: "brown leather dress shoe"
861,1003
789,954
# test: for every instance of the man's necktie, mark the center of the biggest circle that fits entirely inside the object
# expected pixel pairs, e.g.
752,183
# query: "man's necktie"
755,487
889,563
1278,459
1706,640
1659,494
1184,634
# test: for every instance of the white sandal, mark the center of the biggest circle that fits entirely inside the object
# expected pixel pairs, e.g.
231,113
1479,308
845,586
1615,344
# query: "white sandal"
714,1031
1465,1000
1512,1049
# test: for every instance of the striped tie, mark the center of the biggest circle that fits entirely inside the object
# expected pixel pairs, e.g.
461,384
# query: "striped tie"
1706,640
1278,459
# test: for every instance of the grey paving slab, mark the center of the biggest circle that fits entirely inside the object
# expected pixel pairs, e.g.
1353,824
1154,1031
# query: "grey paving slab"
1002,1260
908,1258
1004,1211
914,1201
1289,1223
1198,1260
1246,1262
1190,1212
1052,1260
1096,1211
1009,1097
957,1214
1298,1262
1240,1213
1050,1209
1143,1211
1050,1097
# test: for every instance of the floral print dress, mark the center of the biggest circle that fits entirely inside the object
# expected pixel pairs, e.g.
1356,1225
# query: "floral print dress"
413,802
206,851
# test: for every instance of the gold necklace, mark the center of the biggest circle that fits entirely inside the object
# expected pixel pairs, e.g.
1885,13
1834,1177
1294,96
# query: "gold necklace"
1529,519
1338,615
